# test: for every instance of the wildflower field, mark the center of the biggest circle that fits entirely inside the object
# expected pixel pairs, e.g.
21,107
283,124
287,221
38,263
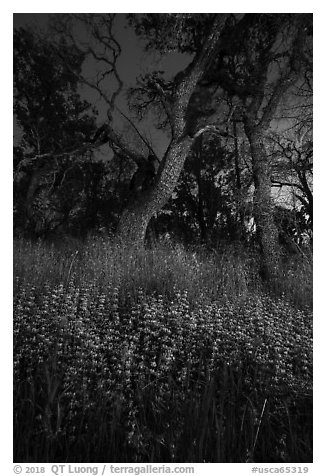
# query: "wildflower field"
161,355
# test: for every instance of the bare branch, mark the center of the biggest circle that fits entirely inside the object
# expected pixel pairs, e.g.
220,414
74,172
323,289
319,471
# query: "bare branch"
212,128
105,51
138,133
281,183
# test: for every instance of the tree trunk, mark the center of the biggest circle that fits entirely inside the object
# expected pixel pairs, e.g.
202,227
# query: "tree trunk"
240,210
33,185
267,232
145,204
198,165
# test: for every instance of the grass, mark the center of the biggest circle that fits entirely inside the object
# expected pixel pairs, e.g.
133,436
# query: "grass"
231,273
164,355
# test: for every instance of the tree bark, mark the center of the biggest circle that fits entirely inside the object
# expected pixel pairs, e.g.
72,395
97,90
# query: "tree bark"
263,208
261,94
33,185
240,210
143,206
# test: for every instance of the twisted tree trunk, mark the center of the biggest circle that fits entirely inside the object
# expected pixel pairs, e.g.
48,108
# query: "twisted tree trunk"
145,204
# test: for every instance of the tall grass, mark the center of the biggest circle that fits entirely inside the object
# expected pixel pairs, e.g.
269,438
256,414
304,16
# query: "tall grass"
231,273
164,355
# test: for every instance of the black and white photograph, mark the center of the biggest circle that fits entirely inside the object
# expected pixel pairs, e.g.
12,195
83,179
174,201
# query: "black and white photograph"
163,239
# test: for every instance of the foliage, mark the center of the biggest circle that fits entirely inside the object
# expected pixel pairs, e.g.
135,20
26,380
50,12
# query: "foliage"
294,228
99,379
172,32
54,120
47,105
207,206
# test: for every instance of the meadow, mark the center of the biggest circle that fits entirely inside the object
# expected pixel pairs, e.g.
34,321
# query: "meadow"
164,354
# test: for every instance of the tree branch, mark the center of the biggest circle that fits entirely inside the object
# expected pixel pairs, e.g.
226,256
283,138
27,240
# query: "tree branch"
188,80
280,184
138,133
212,128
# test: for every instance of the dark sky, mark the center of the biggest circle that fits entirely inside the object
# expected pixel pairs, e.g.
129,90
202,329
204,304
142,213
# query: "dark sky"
30,19
133,61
